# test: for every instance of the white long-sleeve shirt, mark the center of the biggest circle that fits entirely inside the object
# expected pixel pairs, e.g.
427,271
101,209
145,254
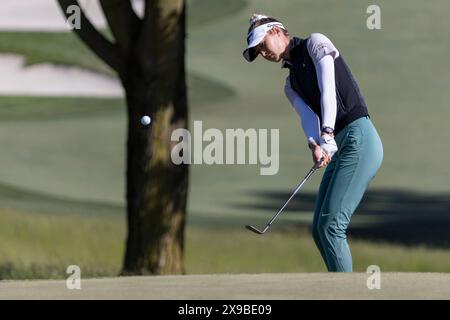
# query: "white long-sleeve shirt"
323,53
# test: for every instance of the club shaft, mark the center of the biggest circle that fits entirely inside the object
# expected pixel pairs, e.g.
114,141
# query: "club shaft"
310,173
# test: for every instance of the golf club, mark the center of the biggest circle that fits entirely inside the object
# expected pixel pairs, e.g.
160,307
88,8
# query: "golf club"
310,173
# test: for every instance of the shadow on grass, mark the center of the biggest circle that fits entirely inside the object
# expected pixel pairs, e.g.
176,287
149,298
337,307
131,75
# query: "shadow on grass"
15,198
397,216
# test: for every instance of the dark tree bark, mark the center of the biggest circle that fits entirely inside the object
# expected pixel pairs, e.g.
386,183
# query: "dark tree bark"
148,56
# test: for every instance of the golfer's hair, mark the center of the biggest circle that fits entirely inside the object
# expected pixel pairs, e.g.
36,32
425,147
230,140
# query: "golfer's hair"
262,21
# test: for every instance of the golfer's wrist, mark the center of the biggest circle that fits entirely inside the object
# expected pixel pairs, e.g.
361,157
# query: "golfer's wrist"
312,144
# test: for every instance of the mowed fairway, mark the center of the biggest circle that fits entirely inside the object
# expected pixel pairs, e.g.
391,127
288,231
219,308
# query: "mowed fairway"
62,159
240,286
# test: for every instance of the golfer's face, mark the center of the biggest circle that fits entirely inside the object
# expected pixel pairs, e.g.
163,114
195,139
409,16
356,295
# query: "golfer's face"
272,46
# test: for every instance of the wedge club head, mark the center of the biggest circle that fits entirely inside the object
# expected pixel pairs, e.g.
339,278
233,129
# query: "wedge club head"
255,230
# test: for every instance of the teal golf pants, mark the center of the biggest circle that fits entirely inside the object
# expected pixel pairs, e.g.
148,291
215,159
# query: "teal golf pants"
353,166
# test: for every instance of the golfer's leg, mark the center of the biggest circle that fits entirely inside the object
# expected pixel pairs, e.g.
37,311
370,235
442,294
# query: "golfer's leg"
318,204
359,159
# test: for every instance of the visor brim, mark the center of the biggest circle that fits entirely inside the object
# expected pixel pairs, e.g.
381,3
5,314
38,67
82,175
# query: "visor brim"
250,54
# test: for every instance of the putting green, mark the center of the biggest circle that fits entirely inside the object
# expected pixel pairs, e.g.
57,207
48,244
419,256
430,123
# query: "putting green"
239,286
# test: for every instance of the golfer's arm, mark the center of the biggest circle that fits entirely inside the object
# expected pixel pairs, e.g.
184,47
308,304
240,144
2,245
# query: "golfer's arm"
327,86
309,120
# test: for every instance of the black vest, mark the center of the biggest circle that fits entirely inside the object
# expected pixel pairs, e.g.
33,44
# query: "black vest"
350,102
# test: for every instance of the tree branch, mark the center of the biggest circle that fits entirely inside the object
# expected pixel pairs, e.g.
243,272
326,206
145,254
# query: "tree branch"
123,22
104,49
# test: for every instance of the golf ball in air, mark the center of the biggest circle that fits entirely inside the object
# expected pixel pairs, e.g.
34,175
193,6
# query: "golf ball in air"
145,120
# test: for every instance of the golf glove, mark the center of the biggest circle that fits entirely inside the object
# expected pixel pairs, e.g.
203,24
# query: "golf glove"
328,144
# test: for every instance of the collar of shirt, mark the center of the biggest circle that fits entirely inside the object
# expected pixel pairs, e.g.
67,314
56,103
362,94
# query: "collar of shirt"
293,43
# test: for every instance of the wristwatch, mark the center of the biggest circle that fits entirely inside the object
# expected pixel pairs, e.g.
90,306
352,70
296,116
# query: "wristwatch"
327,130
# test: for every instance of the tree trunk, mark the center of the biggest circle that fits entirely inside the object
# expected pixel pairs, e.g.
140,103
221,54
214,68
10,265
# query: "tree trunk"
155,85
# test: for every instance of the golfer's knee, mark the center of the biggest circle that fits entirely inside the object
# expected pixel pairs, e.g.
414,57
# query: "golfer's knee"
332,232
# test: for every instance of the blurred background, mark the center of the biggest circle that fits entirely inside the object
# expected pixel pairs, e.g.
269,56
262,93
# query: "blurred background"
63,131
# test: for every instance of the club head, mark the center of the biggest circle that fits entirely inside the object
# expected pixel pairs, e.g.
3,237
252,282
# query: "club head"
253,229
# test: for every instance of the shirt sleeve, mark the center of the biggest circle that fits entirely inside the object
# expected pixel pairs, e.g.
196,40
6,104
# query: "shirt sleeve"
323,52
327,86
319,45
309,120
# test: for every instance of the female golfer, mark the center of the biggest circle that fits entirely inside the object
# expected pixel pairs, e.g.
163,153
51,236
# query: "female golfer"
336,123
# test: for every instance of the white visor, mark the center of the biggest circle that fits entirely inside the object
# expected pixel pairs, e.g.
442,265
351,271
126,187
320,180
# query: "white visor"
256,36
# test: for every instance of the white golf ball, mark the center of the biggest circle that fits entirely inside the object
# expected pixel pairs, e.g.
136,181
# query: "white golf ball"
145,120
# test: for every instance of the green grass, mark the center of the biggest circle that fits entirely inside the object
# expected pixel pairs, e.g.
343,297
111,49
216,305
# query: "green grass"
65,48
204,12
55,47
43,246
73,149
203,92
243,252
26,109
19,199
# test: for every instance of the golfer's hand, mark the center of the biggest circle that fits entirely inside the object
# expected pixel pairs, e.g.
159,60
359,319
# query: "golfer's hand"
328,144
319,156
